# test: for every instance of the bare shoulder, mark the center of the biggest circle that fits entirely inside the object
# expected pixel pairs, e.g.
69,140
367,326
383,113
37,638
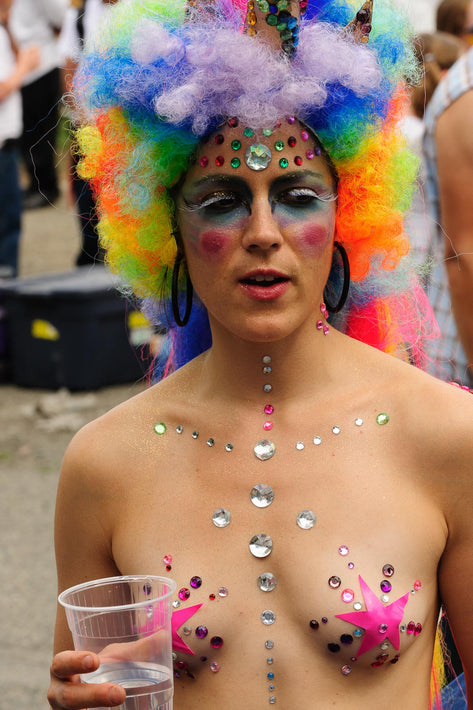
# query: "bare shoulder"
114,442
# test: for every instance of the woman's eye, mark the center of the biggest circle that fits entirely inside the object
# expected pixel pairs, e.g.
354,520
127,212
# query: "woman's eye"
303,196
221,202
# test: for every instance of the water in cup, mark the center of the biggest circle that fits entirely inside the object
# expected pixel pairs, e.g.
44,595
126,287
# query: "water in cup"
148,686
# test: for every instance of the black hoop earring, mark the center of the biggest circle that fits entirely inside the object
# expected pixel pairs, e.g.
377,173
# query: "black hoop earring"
346,281
181,322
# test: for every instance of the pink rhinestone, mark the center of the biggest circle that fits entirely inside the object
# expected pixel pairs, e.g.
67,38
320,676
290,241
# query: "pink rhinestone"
411,627
309,154
167,559
184,593
348,595
269,409
343,550
290,120
267,426
326,330
214,667
320,325
304,135
204,162
417,585
418,629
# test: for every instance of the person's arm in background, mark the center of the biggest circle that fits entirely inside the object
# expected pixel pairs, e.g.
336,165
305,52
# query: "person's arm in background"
26,59
454,138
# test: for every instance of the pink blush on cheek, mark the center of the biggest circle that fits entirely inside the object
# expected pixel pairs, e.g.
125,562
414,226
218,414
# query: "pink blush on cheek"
314,238
214,242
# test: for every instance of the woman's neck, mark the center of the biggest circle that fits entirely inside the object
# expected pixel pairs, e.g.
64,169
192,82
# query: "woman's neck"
296,367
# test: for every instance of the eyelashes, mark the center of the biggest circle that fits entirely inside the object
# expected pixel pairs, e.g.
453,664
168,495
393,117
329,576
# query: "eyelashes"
224,202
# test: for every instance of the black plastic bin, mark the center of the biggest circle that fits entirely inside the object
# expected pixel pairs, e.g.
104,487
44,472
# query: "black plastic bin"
73,330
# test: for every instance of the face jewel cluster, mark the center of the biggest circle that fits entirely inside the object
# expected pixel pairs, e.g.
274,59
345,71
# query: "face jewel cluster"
257,156
277,16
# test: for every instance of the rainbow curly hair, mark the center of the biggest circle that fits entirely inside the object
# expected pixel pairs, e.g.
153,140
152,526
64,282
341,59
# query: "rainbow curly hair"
145,101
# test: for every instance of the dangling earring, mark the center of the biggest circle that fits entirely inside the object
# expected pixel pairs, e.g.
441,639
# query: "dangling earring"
181,322
346,281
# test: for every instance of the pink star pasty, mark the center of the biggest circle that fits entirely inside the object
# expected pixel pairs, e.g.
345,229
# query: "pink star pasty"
180,617
379,621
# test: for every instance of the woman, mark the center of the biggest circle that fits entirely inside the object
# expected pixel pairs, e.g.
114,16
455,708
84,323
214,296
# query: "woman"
309,491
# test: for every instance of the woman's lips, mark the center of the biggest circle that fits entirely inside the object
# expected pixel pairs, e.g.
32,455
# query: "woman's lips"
265,285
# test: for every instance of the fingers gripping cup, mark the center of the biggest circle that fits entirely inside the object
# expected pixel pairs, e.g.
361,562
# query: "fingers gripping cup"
127,622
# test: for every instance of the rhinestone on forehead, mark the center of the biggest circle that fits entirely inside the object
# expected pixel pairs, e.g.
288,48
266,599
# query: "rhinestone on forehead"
258,156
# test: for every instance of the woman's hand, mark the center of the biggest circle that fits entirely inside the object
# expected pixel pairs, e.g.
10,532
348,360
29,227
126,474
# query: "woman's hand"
66,691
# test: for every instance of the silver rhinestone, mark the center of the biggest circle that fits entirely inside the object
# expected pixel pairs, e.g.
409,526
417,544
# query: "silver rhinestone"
267,582
266,359
176,604
359,422
179,429
358,606
403,628
384,646
272,700
346,670
306,519
317,440
267,388
336,430
262,495
264,450
222,592
174,656
300,446
269,660
269,644
261,545
267,370
210,442
221,518
268,617
195,434
228,447
186,630
385,598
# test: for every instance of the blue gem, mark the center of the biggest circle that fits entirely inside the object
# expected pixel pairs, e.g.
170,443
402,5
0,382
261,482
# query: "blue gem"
270,676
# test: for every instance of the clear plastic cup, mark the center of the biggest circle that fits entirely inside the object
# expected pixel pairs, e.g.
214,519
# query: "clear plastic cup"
127,622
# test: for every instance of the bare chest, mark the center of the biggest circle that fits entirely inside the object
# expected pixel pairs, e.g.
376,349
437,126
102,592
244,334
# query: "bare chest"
318,555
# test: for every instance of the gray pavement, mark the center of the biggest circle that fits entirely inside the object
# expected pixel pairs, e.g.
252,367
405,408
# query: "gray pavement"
35,428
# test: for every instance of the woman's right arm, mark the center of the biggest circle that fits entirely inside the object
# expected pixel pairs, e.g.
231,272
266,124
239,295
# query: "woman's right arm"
83,542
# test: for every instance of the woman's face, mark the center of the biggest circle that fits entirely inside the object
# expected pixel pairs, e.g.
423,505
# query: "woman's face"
258,242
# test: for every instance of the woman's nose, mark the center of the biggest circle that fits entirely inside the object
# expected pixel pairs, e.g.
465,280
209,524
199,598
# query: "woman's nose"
262,230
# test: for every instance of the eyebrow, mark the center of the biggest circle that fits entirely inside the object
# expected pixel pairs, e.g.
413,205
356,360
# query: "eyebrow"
219,179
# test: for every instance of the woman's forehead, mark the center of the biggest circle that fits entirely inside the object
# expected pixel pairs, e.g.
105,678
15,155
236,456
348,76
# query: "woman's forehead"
240,150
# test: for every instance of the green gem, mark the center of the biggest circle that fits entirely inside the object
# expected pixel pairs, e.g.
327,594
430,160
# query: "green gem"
382,419
235,162
284,162
236,145
267,132
281,26
272,20
160,428
282,4
286,34
279,145
263,5
248,132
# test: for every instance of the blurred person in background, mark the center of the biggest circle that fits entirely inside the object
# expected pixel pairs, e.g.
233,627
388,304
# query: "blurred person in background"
456,18
15,64
448,146
38,22
436,53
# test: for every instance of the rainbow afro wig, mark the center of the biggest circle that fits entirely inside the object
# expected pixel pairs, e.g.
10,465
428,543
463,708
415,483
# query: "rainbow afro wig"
158,76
